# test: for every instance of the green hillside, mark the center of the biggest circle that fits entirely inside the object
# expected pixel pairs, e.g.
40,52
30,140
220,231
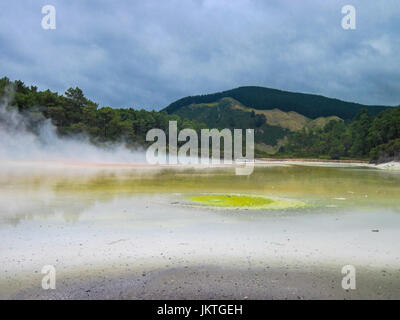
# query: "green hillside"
224,114
271,127
309,105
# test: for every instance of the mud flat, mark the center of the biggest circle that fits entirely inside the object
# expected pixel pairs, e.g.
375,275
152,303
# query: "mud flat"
216,282
160,250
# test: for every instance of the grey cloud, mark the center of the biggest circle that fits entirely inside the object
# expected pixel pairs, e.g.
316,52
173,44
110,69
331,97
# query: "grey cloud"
149,53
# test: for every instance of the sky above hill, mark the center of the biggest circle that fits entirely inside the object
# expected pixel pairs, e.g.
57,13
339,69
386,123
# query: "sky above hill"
149,53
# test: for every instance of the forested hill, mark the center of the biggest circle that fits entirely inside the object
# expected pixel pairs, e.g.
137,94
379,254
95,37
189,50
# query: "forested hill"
309,105
366,135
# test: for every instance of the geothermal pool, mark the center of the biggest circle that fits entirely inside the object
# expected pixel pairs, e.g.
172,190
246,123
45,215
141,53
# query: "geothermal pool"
139,232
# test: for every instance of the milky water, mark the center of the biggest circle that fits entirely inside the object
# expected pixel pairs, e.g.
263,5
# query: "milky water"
86,218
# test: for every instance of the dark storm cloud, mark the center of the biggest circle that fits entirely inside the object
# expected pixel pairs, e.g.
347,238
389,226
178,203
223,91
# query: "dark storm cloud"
149,53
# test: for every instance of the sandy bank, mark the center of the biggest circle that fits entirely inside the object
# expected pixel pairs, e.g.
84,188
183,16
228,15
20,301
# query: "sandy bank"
393,165
311,160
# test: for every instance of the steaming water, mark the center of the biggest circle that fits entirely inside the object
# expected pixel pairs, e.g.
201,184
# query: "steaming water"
120,218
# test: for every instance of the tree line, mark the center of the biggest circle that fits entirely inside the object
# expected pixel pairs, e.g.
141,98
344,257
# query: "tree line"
73,114
376,138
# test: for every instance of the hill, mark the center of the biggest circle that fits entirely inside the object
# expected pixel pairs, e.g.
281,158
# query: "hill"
260,98
271,127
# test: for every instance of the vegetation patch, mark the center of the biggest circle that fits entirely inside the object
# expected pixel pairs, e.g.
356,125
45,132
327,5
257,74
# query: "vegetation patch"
245,201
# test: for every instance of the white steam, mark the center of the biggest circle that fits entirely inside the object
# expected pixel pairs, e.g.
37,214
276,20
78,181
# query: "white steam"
18,143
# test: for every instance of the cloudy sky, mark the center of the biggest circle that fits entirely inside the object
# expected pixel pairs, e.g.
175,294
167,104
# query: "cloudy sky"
149,53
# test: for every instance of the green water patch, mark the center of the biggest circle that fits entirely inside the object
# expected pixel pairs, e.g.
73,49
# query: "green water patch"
245,201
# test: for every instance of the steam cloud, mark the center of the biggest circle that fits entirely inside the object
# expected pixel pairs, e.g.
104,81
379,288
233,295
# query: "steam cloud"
18,143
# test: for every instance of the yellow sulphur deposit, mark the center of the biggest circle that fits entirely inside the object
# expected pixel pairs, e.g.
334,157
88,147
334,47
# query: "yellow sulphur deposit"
245,201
